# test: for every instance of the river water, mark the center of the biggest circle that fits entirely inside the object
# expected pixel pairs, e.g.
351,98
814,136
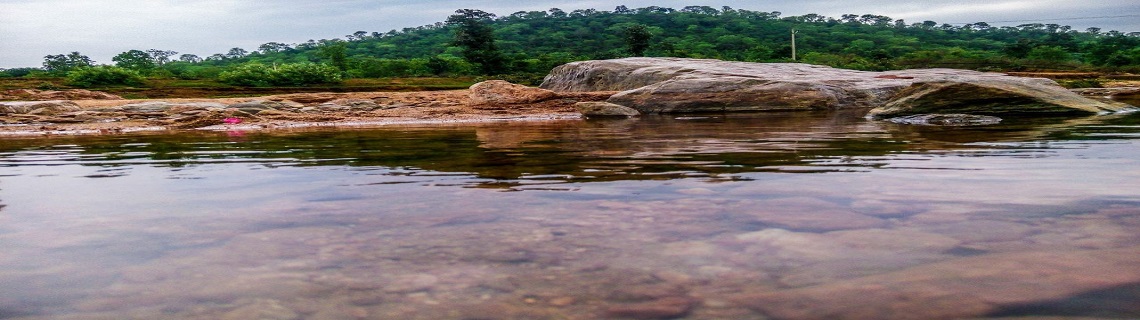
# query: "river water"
752,216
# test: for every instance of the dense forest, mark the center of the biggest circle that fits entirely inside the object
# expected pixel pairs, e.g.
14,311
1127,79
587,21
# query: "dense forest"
526,45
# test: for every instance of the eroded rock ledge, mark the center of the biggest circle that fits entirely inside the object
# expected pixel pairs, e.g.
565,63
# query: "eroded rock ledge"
676,85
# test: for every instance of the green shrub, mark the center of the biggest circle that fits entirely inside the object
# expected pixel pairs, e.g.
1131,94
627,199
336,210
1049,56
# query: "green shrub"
249,75
16,72
1081,83
103,76
289,74
298,74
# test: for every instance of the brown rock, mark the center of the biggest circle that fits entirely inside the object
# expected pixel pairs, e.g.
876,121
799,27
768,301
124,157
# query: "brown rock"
598,109
958,288
40,107
261,309
411,283
496,93
73,94
809,214
562,301
664,308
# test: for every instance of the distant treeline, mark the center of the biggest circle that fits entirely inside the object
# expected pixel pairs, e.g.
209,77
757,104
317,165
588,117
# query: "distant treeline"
533,42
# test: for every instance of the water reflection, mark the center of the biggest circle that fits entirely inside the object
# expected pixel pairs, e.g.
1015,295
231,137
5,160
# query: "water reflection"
707,217
713,147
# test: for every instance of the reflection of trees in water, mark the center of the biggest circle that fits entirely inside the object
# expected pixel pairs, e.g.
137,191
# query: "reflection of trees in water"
659,147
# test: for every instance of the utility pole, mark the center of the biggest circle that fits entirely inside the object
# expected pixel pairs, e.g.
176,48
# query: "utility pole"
793,44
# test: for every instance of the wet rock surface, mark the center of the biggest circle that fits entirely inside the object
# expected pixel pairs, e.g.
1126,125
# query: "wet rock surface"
946,120
675,85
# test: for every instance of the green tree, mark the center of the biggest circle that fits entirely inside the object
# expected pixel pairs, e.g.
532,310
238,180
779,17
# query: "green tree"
190,58
476,37
236,53
134,60
637,39
66,62
1049,54
289,74
103,76
160,57
336,52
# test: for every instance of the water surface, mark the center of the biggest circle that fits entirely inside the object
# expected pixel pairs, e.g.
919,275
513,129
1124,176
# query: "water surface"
758,216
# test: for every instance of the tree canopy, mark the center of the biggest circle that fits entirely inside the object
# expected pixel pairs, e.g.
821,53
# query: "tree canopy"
532,42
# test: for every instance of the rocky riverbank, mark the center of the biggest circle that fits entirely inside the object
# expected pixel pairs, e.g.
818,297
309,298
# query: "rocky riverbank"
95,112
620,87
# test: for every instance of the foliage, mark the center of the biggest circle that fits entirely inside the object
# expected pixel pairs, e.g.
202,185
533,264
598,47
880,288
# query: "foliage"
1082,83
335,52
637,39
476,37
103,76
291,74
64,63
17,72
533,42
136,60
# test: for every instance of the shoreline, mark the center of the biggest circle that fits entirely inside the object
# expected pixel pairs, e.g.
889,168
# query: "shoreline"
65,130
294,111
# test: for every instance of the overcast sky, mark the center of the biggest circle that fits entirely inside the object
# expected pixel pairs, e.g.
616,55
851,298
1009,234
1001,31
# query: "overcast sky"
31,29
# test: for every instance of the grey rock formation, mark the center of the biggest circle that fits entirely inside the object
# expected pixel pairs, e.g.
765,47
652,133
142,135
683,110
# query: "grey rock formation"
992,96
675,85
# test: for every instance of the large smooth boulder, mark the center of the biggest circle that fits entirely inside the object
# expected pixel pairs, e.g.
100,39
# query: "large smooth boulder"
601,109
676,85
496,93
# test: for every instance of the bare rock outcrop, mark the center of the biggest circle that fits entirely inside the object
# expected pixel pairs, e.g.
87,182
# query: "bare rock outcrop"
497,93
37,107
42,95
676,85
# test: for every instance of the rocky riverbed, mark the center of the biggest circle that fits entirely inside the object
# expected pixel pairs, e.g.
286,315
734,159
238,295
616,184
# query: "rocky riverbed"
81,111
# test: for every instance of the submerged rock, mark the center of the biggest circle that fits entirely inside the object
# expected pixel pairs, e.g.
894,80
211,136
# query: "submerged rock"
675,85
958,288
946,120
664,308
